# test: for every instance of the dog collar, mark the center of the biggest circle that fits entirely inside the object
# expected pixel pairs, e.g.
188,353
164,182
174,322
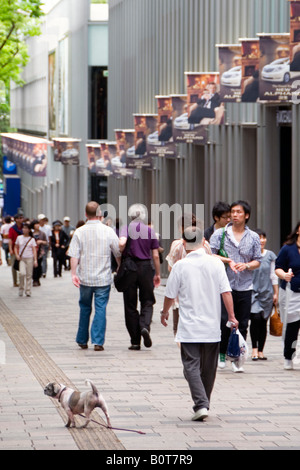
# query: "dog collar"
61,392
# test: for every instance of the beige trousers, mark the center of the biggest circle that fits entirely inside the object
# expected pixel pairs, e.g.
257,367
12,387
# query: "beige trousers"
25,273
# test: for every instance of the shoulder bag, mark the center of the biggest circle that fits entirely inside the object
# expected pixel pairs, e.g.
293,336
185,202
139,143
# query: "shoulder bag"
17,261
275,324
122,279
222,251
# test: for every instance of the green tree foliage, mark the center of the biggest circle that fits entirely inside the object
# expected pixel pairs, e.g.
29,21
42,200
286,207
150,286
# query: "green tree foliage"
19,19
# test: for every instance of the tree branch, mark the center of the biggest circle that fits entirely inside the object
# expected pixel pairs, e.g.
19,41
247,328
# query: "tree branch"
8,36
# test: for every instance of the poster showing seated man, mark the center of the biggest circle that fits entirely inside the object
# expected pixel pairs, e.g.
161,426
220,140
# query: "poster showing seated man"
144,126
274,67
204,104
230,68
125,142
250,69
165,146
93,155
103,164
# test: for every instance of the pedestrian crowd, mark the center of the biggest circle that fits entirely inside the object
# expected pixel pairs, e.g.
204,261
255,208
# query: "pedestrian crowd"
27,244
221,279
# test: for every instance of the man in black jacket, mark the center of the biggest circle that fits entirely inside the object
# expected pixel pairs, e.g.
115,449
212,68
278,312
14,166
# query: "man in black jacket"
206,105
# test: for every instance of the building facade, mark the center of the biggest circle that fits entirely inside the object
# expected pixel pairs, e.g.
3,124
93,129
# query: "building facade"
64,97
252,156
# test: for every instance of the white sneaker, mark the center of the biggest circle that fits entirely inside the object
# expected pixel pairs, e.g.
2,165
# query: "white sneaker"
200,415
222,361
288,364
236,369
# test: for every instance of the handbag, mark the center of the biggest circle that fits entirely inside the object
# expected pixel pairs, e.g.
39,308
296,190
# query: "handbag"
122,279
17,261
276,324
233,348
221,251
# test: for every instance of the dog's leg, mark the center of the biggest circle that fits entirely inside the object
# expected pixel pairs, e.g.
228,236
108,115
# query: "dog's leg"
102,404
87,414
71,420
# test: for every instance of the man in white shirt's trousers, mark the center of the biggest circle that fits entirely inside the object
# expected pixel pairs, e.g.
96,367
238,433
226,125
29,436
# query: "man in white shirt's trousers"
198,281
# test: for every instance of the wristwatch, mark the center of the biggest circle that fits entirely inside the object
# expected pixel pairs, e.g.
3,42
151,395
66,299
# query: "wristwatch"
248,266
162,312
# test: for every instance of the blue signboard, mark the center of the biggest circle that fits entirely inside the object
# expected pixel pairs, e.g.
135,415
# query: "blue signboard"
12,195
9,168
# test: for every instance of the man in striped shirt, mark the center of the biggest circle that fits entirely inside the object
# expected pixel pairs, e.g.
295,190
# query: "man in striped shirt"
243,250
90,252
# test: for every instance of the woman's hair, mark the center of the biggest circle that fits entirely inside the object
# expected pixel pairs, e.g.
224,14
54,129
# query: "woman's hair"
292,237
260,232
137,211
27,225
189,220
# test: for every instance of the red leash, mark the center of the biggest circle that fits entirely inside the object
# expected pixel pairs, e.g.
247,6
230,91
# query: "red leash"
115,429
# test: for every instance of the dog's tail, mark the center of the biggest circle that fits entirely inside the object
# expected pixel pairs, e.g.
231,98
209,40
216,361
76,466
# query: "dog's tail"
95,391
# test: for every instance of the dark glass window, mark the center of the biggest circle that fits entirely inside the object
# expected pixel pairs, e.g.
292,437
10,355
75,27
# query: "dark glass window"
97,103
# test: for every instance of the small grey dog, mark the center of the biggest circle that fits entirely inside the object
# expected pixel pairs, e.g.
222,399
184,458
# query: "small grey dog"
75,403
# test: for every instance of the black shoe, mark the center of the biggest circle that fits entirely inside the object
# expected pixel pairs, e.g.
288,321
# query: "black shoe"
134,347
147,340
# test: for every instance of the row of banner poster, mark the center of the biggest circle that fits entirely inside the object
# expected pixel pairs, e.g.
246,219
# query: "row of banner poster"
266,68
261,69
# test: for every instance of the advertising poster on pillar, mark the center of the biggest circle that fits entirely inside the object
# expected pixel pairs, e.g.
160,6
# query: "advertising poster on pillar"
93,156
67,151
126,149
230,68
28,153
295,48
274,67
180,123
104,165
165,146
144,126
250,70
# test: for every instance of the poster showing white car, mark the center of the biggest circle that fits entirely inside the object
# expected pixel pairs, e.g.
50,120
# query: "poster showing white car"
274,67
277,71
230,69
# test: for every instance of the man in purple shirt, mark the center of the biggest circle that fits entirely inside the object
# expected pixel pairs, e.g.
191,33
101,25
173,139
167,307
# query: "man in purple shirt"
140,243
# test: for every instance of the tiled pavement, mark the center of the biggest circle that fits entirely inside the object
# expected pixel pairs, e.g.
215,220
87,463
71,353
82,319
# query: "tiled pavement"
145,390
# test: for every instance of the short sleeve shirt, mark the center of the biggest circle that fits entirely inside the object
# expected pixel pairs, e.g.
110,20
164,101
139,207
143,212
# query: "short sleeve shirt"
248,249
142,240
197,281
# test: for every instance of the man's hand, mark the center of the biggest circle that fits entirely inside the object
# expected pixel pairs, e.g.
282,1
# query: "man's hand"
75,280
163,318
156,280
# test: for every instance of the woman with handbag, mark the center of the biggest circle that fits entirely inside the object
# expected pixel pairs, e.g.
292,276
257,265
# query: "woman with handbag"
287,268
264,297
26,254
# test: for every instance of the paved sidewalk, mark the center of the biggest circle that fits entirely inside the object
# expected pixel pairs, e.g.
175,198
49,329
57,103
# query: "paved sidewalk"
145,390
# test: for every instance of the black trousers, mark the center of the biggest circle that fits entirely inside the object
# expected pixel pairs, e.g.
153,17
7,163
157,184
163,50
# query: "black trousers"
142,288
242,308
258,331
290,342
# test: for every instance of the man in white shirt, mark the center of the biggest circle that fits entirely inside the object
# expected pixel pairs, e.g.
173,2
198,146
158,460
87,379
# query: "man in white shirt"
197,281
90,252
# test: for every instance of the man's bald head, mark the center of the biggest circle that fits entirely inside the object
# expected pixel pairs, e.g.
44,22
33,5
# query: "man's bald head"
91,209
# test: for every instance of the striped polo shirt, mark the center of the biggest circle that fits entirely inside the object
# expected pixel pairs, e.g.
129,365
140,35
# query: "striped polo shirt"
92,244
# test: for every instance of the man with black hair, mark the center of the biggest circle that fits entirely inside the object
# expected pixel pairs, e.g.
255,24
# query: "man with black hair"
243,249
199,280
221,217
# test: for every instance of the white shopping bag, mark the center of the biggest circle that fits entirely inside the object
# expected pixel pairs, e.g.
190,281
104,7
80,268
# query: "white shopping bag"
244,350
